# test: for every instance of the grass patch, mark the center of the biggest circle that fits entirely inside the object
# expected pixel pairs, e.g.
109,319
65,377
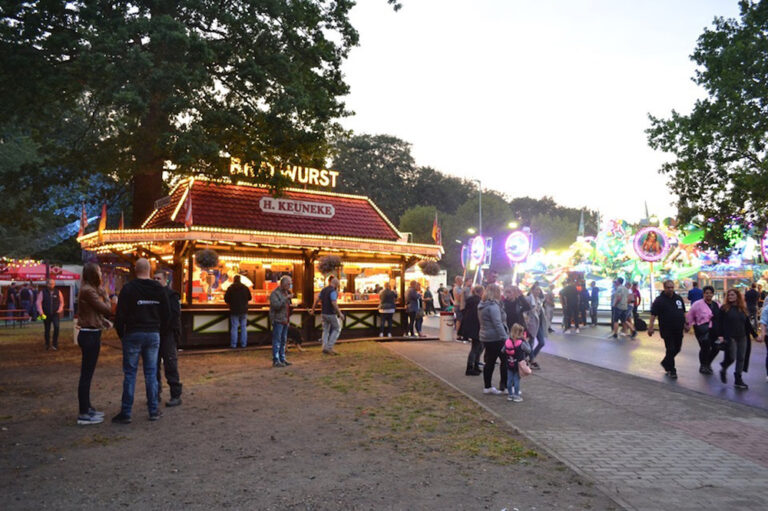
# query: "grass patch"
413,412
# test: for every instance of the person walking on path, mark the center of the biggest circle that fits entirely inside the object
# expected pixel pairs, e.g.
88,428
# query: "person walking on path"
471,330
736,330
695,293
387,301
536,323
493,333
621,305
237,297
594,301
168,357
93,306
429,302
751,298
669,309
280,317
412,307
703,317
142,313
50,305
331,315
763,337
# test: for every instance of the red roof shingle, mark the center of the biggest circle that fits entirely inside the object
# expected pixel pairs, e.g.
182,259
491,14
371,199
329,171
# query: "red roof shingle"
237,207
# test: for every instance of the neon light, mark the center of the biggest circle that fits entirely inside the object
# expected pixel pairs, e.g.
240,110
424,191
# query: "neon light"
651,244
517,246
764,246
477,250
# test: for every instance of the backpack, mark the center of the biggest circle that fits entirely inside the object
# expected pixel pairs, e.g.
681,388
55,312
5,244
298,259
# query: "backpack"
640,325
511,348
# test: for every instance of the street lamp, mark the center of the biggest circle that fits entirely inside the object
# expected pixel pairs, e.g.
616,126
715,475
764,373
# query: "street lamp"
471,230
512,225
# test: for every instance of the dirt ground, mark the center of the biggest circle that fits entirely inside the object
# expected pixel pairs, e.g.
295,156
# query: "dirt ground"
364,430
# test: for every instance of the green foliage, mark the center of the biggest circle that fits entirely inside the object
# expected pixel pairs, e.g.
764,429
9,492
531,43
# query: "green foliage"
719,171
121,88
553,231
418,221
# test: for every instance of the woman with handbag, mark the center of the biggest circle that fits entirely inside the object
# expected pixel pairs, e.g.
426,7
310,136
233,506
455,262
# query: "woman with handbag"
704,316
493,333
93,306
736,329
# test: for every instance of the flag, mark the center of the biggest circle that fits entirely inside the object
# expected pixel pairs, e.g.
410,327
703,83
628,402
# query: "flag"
83,222
436,234
188,208
102,221
122,221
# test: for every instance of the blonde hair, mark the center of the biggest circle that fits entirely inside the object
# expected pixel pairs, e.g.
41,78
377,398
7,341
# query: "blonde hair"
492,292
516,332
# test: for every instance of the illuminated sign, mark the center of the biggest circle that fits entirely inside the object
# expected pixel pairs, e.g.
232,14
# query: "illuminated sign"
302,175
517,246
296,207
764,246
477,250
651,244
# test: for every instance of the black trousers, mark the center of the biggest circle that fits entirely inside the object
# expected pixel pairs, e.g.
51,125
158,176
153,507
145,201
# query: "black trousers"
706,353
493,351
90,345
571,315
168,360
673,343
473,359
53,319
411,322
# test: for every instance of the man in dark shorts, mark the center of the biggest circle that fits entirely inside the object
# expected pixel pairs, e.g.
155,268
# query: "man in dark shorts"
669,308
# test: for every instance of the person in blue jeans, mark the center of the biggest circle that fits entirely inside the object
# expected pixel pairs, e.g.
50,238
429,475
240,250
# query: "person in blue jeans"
280,317
142,313
237,297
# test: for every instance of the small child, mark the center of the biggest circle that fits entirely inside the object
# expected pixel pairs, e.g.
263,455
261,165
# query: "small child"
515,348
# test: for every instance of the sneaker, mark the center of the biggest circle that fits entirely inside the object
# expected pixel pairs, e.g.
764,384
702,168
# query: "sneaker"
85,420
492,390
535,365
510,397
739,384
285,363
389,335
473,372
155,416
766,379
672,374
702,370
94,413
577,330
174,401
277,363
517,399
120,418
54,348
634,334
567,331
615,336
723,377
381,334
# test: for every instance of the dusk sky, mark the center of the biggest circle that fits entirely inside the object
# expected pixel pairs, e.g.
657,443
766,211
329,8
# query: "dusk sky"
532,97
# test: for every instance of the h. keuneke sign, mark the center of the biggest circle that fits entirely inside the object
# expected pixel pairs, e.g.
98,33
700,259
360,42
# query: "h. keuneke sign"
296,207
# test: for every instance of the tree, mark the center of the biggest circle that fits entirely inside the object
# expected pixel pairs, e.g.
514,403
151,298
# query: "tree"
419,221
131,89
719,171
378,166
431,186
553,231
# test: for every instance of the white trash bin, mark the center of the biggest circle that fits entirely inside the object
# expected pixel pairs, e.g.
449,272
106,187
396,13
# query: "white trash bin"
447,332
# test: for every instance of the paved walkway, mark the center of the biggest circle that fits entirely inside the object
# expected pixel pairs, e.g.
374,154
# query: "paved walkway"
650,445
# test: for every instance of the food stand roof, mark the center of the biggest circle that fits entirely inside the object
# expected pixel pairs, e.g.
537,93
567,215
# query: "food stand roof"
250,215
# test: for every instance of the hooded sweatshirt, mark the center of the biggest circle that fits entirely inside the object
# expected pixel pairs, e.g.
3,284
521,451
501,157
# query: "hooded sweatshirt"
142,307
493,321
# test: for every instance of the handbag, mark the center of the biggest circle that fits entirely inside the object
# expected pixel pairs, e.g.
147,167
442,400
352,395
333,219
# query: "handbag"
523,368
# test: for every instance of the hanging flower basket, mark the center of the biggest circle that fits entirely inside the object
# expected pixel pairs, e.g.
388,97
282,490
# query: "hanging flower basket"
207,258
430,268
329,264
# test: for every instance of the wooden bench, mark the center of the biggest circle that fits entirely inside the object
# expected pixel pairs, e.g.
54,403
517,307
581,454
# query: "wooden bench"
15,317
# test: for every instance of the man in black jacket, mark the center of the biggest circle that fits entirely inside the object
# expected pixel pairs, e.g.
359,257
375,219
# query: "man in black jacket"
669,308
237,297
169,341
142,313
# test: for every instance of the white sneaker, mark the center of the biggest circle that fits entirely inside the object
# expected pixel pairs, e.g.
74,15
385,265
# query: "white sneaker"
577,330
492,390
389,335
381,334
510,397
567,331
517,399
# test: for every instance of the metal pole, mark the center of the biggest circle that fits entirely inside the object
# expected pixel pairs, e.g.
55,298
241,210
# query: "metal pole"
479,208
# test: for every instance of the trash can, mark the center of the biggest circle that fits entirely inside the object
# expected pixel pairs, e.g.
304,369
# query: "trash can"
447,333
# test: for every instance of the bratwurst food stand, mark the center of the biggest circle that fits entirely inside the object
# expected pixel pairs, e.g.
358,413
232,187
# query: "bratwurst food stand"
262,237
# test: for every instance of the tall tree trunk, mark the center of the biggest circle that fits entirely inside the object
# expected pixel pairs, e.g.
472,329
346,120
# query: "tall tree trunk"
147,188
